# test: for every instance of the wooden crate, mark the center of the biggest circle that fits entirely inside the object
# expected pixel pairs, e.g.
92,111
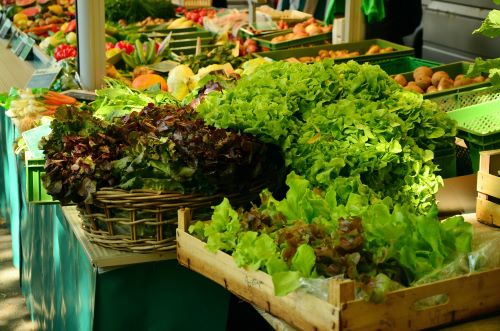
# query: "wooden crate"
488,188
468,296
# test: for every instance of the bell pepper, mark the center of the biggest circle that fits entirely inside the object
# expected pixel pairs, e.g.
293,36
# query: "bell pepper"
125,46
64,51
71,26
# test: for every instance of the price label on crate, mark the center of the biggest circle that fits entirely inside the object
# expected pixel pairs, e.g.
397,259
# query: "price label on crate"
4,31
43,78
28,46
21,42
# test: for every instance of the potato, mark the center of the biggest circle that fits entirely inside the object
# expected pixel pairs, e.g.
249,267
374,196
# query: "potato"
462,82
413,88
401,80
424,82
458,77
478,79
445,83
431,89
422,71
436,77
386,50
374,49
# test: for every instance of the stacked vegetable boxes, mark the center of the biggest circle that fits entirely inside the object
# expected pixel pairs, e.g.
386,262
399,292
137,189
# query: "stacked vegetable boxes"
488,187
342,311
479,126
362,47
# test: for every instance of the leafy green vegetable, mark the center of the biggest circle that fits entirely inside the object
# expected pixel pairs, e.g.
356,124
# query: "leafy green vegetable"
491,66
346,120
374,243
491,25
78,155
118,100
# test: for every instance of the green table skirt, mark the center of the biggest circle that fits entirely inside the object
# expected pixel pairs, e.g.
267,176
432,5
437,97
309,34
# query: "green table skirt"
12,182
65,292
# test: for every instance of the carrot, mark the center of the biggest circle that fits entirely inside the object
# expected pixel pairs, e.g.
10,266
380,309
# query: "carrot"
64,99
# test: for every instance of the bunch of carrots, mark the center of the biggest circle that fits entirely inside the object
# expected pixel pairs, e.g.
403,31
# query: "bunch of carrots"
53,100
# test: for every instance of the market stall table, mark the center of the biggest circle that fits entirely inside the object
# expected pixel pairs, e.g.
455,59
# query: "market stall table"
71,284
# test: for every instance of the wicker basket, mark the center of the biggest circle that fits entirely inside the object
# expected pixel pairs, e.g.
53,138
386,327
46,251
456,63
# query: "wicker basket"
144,221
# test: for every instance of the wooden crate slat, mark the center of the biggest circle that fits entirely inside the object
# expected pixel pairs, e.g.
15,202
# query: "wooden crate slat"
300,310
487,212
488,184
468,296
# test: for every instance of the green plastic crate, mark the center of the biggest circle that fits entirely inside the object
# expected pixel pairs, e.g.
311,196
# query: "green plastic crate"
182,35
446,159
453,69
189,50
35,190
361,46
404,64
265,40
190,42
480,123
460,99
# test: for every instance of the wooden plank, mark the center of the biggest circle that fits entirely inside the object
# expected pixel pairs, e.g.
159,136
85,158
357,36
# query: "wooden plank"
101,257
488,212
468,296
489,162
300,310
488,184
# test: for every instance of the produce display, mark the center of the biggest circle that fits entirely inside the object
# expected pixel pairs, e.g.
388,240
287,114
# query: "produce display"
360,200
196,15
301,30
428,81
161,148
343,53
219,55
137,10
30,108
356,146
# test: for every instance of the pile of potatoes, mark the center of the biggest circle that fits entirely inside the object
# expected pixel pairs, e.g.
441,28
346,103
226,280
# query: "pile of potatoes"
344,53
427,81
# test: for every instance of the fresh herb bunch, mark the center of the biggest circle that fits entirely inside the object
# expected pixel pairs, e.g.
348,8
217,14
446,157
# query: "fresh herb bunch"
219,55
138,10
79,154
171,149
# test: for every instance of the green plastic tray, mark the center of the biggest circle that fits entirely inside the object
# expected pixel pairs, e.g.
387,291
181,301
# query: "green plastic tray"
361,46
265,40
188,50
190,42
480,123
35,190
182,35
462,99
453,69
404,64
